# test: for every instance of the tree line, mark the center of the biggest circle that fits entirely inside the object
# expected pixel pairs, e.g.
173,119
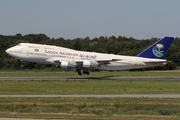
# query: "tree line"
120,45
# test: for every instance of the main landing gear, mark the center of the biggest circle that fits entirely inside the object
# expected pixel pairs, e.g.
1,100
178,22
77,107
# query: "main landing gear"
84,72
79,71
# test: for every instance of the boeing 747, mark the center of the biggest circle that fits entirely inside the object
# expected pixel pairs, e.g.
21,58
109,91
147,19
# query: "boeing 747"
84,61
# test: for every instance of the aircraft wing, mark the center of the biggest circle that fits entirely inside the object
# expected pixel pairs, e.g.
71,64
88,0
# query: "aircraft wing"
105,61
84,63
98,60
94,62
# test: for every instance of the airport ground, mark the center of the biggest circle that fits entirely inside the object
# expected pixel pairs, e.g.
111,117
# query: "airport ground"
90,107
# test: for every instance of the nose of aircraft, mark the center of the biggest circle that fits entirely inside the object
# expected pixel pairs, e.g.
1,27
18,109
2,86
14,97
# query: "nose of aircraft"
8,50
14,49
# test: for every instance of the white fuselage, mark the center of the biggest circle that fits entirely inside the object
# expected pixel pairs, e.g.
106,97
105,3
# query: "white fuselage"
56,55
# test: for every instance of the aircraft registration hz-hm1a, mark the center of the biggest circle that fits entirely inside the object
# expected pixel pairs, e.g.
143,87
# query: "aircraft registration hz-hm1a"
83,61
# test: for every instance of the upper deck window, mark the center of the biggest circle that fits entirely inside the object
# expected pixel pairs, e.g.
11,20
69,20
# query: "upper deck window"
33,47
48,48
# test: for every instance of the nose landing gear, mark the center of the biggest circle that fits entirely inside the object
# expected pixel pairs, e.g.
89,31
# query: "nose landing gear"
22,63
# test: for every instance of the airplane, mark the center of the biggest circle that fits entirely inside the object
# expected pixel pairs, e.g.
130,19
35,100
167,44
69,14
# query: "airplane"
85,61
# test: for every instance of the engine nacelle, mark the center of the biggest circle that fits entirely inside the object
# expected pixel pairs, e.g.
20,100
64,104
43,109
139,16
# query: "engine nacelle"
66,64
89,64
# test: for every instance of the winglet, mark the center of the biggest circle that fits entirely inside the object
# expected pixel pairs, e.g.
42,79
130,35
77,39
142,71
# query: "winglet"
158,49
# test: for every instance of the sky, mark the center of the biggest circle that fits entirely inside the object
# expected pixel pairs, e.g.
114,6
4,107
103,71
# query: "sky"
70,19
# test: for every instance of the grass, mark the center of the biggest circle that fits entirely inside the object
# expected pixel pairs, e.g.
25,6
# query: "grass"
90,108
100,109
92,74
65,87
89,100
88,116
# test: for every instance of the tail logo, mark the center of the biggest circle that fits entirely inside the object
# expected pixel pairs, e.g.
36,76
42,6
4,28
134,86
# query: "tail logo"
158,50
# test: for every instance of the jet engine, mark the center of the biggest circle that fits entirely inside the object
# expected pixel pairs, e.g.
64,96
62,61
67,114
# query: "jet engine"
89,64
66,64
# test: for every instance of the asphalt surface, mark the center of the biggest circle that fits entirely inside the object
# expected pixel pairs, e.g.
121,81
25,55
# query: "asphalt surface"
89,78
102,96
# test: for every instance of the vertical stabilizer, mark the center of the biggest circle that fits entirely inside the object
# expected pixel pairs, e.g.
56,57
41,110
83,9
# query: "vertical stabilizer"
158,49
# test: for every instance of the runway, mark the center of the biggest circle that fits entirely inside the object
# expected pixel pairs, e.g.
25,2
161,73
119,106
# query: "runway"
89,78
102,96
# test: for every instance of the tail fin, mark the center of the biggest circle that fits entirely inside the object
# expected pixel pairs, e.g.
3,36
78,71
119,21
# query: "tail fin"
158,49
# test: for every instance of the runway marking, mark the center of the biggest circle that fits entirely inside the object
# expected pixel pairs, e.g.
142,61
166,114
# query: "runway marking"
103,96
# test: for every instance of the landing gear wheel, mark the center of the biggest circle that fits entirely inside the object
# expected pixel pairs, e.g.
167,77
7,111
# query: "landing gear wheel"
78,70
84,72
79,73
87,73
